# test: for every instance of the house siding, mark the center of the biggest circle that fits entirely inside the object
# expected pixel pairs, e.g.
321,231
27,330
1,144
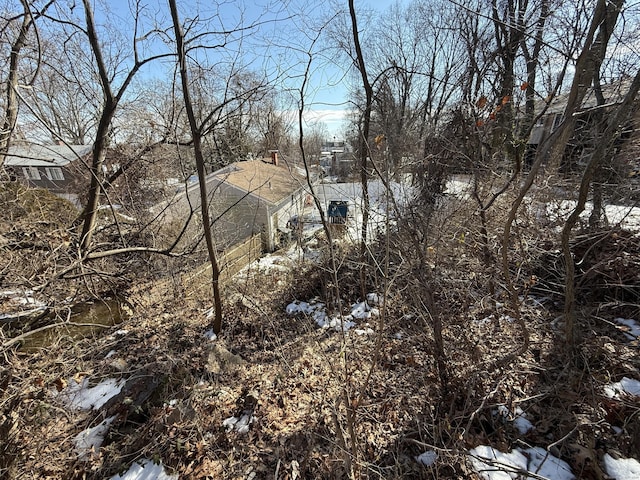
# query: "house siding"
235,214
243,213
45,177
53,167
279,216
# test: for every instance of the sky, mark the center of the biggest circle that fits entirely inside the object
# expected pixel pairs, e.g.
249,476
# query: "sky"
326,98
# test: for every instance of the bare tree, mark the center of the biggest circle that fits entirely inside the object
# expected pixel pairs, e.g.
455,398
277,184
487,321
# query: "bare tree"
531,47
604,146
154,113
65,100
364,152
113,94
588,63
272,129
27,19
415,78
228,109
197,144
593,52
222,114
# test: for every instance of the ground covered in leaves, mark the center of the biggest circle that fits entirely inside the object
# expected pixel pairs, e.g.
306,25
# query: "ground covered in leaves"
277,396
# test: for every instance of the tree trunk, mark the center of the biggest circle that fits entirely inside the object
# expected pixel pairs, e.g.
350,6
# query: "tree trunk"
532,59
603,147
11,115
364,151
588,64
98,153
200,167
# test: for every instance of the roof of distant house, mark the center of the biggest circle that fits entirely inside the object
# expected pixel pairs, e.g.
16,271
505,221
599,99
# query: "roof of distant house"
613,94
262,178
45,155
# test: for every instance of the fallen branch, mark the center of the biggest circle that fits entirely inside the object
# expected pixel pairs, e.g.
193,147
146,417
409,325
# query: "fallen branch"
33,314
106,253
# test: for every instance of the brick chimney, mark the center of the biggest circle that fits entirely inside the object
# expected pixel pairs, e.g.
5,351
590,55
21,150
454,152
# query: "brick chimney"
274,157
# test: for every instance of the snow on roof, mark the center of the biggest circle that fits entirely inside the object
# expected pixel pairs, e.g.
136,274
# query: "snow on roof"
45,155
270,182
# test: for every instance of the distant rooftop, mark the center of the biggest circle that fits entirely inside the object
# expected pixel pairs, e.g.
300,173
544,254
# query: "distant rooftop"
334,145
45,155
262,178
613,93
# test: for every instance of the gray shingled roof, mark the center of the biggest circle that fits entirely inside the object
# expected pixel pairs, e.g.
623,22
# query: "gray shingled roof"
45,155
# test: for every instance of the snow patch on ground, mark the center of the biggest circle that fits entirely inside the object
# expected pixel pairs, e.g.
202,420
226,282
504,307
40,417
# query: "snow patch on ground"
145,470
83,397
364,331
89,441
492,464
625,217
622,468
317,310
427,458
17,300
458,187
362,311
339,323
273,263
632,330
626,386
374,299
492,318
209,335
517,417
304,307
21,297
239,424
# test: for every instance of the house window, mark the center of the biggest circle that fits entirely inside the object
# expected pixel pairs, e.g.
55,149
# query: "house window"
54,173
31,173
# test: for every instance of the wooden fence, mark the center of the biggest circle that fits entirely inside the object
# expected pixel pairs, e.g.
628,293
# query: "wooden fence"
236,257
232,260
